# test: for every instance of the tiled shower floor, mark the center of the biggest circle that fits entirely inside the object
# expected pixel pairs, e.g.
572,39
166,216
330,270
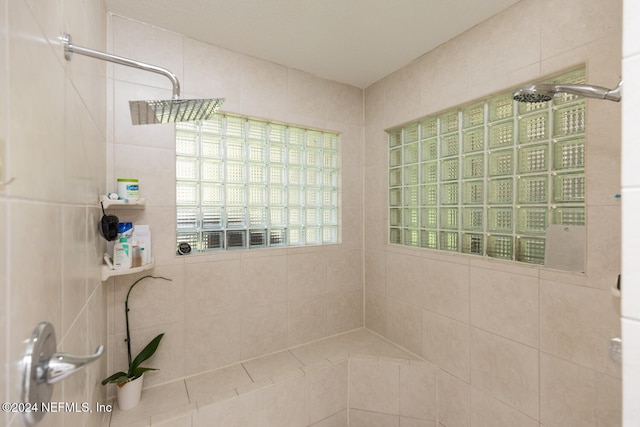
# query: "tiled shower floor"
166,404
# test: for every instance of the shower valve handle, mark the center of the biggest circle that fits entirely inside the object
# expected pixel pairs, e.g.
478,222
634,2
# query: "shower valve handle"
43,367
61,365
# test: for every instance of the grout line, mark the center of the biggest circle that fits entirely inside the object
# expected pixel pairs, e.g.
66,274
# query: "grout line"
248,374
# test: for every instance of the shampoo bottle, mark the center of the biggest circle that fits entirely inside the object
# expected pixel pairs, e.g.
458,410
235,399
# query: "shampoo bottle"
122,255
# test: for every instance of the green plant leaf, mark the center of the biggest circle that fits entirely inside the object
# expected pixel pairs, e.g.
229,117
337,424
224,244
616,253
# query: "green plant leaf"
145,354
115,378
141,370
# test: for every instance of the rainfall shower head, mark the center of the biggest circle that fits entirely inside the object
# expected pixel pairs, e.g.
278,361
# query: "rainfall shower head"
152,112
542,92
173,110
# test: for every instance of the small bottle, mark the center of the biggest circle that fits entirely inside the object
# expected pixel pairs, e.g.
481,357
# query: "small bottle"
143,253
122,255
136,257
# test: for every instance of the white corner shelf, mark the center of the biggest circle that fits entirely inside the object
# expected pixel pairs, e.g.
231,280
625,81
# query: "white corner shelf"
107,272
123,203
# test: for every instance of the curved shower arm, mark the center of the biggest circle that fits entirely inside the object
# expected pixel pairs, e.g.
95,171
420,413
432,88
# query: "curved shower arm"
70,48
591,91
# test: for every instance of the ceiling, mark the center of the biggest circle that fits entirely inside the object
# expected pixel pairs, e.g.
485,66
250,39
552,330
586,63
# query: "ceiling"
351,41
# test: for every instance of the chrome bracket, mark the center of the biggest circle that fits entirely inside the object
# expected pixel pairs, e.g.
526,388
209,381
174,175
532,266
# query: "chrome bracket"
43,367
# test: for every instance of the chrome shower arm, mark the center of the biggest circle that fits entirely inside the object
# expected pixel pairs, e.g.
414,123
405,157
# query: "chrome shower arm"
70,48
591,91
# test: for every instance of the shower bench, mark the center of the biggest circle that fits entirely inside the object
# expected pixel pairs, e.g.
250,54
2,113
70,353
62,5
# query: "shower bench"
353,379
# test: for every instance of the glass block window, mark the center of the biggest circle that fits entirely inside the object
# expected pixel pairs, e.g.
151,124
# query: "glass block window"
488,178
244,183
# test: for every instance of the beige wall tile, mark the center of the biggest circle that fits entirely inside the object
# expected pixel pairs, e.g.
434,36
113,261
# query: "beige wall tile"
358,418
375,272
576,323
154,400
240,412
505,304
414,422
375,192
147,38
201,61
37,177
571,395
263,88
445,342
74,247
144,162
488,41
602,156
328,391
453,401
489,412
264,330
404,278
307,319
264,280
344,269
401,98
285,404
35,293
447,289
352,227
375,314
307,274
344,311
307,95
212,288
559,37
374,385
272,365
603,257
494,359
341,419
153,301
200,333
205,387
419,391
404,325
352,185
376,224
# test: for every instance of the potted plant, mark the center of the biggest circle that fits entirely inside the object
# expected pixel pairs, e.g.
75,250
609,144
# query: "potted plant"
130,382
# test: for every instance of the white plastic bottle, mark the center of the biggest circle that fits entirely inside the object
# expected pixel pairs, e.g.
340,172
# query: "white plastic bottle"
122,254
143,252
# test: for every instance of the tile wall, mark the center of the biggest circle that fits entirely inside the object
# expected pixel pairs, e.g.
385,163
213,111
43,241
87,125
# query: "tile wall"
630,209
53,142
223,307
515,344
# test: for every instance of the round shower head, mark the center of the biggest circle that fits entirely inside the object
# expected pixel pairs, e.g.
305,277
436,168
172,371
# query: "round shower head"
537,92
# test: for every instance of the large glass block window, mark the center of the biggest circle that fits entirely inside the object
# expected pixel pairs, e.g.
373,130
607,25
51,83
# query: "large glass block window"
488,178
244,183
